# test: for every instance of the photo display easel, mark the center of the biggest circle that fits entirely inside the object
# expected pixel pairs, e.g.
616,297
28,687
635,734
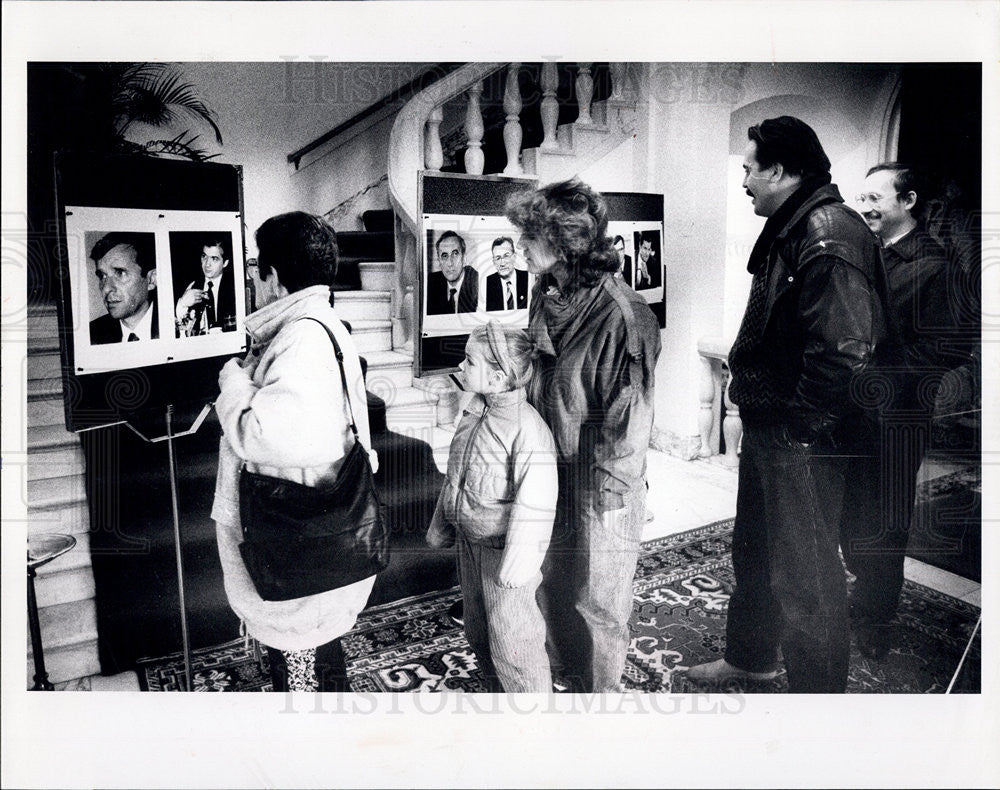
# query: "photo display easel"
462,226
142,332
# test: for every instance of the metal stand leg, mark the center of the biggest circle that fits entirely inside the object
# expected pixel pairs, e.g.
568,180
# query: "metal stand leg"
41,676
177,548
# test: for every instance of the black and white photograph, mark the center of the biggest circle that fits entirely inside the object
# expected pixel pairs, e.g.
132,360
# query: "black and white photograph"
123,287
138,289
475,267
383,411
207,303
648,271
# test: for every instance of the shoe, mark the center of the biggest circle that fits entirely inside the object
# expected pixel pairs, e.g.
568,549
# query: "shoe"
456,613
721,671
873,639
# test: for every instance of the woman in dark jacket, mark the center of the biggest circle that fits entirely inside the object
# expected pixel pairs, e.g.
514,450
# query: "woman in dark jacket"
593,384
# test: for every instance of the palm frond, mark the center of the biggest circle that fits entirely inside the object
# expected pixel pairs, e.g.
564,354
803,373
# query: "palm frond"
155,94
178,146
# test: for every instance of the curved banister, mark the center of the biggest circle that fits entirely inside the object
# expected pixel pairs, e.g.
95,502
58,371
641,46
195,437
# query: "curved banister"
406,141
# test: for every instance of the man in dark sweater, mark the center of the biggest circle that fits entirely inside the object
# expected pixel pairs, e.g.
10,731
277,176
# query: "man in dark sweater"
916,266
810,328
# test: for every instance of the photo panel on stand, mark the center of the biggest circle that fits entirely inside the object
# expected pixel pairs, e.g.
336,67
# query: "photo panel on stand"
124,266
472,273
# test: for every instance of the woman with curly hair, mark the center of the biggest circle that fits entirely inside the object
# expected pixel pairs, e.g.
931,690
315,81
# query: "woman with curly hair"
593,385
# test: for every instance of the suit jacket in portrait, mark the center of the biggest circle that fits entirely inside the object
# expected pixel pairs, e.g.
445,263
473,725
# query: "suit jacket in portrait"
627,270
653,267
225,310
437,293
495,295
106,329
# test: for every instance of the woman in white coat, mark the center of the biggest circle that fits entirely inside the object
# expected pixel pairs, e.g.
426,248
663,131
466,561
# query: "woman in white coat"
283,413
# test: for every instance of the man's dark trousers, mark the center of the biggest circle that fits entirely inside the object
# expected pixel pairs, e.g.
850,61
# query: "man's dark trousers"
790,584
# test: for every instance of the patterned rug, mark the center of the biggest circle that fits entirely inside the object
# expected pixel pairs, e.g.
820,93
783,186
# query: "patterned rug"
946,530
682,590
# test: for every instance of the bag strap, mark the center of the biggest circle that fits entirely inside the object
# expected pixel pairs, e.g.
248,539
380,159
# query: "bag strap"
632,347
338,352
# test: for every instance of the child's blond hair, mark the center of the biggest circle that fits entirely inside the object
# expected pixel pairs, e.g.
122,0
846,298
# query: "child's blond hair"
508,350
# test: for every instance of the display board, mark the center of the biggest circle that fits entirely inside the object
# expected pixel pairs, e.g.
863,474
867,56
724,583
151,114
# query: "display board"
153,297
471,270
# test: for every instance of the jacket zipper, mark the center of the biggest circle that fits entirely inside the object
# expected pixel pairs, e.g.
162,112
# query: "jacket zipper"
465,459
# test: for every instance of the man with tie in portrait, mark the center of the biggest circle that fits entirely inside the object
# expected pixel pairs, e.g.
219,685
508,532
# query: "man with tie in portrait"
508,288
454,289
209,303
125,266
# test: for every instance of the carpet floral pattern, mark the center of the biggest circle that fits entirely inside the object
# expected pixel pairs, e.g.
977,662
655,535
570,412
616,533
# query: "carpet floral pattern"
682,589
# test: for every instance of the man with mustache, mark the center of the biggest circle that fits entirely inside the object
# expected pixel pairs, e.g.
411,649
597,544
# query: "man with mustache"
125,266
812,322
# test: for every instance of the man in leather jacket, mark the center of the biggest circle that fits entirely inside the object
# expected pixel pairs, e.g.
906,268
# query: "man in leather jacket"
813,320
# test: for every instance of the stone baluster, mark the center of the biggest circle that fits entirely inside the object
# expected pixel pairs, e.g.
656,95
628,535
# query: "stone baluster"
474,159
619,73
433,155
708,395
732,429
584,92
512,134
549,106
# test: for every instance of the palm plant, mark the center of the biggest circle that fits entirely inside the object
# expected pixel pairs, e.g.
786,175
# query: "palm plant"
119,97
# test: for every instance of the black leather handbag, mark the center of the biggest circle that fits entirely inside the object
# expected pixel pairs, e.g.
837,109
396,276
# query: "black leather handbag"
299,540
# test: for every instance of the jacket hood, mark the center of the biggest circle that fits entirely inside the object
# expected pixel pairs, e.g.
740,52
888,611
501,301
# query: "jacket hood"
262,325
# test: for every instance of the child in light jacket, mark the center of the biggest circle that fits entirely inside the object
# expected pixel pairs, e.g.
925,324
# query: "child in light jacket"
498,505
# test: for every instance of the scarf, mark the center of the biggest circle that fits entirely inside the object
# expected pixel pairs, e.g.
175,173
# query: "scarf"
777,221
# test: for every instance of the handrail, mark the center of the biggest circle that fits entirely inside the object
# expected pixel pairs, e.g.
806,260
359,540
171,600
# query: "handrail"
400,94
406,140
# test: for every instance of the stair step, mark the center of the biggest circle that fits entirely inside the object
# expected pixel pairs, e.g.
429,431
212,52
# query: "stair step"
78,557
66,624
42,438
50,464
43,345
388,369
45,389
377,275
532,159
44,365
75,584
46,412
412,412
371,336
43,321
67,663
69,641
71,519
572,135
361,305
59,492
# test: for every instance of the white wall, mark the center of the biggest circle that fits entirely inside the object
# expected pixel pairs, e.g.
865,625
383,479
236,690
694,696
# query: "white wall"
268,110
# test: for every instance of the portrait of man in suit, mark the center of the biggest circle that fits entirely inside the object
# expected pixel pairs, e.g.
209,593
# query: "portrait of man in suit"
647,270
507,289
208,303
624,261
455,288
125,265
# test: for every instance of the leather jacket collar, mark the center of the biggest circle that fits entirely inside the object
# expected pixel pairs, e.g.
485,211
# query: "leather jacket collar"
825,194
